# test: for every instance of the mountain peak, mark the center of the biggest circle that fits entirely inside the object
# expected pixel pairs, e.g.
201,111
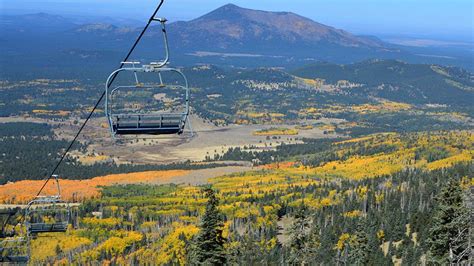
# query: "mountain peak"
232,25
224,12
230,6
229,11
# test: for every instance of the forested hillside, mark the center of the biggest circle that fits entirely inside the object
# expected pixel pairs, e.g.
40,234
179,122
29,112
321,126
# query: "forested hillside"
370,199
265,95
289,219
398,81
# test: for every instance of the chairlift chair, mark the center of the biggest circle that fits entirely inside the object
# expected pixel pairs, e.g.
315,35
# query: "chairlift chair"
48,214
14,250
9,213
149,122
130,122
13,247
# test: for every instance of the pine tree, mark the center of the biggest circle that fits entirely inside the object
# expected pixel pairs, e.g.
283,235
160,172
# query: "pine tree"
408,256
304,240
326,252
449,232
208,246
359,249
376,255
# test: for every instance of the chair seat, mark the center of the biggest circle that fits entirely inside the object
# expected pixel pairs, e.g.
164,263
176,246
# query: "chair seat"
18,259
148,124
47,227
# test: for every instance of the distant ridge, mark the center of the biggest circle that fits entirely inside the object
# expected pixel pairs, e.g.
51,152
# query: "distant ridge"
35,23
253,38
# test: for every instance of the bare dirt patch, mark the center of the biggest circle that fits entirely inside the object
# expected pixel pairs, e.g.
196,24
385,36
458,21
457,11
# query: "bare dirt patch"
208,140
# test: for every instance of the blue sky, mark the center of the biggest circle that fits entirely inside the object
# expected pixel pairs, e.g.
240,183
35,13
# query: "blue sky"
449,19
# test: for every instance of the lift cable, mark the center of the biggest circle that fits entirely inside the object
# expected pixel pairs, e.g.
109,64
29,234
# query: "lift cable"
152,18
101,97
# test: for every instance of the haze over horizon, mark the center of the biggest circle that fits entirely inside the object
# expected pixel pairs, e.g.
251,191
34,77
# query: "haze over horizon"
432,19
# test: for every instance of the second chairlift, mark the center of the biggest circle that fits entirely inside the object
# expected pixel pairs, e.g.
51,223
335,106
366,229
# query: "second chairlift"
48,214
14,244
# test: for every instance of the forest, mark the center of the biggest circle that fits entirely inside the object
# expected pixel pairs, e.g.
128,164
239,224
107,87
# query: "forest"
381,199
30,151
282,220
388,183
269,95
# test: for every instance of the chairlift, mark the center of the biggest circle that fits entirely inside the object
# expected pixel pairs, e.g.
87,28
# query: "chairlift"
47,214
14,248
8,214
149,120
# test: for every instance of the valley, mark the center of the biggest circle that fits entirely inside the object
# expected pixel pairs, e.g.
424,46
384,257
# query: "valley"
309,145
231,107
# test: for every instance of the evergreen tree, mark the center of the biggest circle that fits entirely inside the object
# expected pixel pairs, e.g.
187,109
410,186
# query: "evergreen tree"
376,255
359,251
449,232
408,256
326,252
208,246
304,240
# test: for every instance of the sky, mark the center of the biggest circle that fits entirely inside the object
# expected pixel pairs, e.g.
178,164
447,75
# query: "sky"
440,19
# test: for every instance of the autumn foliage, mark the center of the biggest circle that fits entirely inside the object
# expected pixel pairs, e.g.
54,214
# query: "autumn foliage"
24,191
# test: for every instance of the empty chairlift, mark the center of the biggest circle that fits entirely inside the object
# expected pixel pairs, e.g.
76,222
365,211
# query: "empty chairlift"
147,119
150,120
7,229
14,246
14,250
47,214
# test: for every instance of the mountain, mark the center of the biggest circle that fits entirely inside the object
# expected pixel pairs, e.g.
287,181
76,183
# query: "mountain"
229,35
228,29
104,28
38,23
232,28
